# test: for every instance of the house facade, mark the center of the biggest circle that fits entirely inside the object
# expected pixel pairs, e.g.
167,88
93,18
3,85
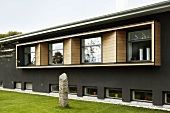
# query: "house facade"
124,56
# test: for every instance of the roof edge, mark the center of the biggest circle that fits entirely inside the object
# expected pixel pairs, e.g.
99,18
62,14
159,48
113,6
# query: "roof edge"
90,20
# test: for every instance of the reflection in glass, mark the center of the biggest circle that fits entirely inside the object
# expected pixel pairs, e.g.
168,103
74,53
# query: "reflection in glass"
91,50
29,55
56,53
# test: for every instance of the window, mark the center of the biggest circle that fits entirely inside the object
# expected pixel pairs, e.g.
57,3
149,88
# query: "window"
113,93
91,50
73,89
1,84
139,45
167,98
7,53
29,58
54,88
29,86
90,91
142,95
18,85
56,53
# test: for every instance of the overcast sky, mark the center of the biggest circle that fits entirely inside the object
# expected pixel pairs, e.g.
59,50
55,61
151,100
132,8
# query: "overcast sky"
32,15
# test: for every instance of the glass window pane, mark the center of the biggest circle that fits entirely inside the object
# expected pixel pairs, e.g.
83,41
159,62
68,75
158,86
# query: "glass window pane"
29,57
73,89
139,45
57,46
168,98
92,41
91,50
32,58
56,53
143,95
32,49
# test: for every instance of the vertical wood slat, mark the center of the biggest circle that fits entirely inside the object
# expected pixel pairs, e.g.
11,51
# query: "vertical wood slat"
157,33
121,45
75,51
44,53
37,54
109,47
67,51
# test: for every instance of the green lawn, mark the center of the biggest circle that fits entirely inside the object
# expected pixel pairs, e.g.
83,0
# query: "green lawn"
12,102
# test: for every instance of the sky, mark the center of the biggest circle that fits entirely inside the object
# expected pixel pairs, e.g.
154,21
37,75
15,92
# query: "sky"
32,15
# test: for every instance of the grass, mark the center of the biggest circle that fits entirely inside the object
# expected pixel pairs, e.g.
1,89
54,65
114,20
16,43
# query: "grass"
13,102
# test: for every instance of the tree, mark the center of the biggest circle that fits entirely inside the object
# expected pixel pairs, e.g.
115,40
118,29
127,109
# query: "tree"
7,49
10,33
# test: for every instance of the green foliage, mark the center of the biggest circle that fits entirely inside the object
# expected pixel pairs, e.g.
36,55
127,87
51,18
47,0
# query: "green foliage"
10,33
12,102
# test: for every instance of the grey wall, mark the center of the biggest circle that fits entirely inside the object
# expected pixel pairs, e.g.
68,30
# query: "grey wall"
128,78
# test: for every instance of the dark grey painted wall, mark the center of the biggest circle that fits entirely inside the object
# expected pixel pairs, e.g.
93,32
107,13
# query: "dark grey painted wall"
128,78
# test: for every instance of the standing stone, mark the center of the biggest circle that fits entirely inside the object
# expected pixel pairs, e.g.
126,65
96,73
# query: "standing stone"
63,90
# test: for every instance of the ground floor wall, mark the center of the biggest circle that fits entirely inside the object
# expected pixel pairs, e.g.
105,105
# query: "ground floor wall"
155,79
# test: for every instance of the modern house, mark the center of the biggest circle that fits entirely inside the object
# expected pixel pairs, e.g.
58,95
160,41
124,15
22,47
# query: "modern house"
124,55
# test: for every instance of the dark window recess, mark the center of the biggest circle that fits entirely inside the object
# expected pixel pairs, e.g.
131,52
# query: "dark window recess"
167,98
139,45
73,89
54,88
90,91
113,93
142,95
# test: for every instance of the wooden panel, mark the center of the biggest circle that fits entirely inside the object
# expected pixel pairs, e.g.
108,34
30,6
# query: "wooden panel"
67,51
75,51
157,44
44,53
109,47
121,46
37,54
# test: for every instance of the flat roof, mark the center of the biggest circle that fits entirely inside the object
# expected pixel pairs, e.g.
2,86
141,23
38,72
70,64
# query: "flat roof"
127,14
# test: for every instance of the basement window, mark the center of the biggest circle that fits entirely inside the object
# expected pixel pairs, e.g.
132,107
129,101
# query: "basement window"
142,95
92,91
17,85
1,84
167,98
114,93
73,89
28,86
55,88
